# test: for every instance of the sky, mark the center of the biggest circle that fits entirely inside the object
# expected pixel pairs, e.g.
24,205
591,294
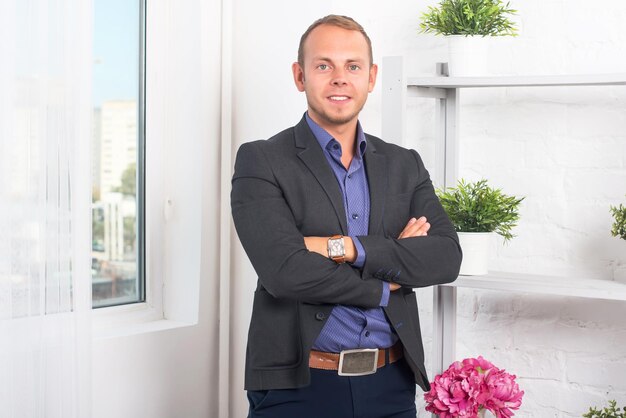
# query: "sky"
116,50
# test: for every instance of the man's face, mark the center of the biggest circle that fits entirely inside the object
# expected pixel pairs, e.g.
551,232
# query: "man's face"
336,76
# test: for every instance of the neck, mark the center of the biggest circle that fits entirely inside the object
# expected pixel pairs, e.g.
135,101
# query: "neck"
346,136
347,139
344,133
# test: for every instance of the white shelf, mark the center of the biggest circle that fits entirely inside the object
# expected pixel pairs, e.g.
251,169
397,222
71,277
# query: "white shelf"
545,285
446,91
519,81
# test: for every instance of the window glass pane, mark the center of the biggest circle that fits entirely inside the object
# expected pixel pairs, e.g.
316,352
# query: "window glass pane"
117,144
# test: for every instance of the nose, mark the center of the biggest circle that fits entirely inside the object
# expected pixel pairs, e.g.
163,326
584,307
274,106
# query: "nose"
339,78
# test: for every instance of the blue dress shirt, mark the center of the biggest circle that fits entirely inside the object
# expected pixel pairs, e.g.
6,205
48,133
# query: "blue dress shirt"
349,327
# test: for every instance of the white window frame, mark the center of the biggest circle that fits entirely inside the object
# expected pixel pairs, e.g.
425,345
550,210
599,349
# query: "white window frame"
175,138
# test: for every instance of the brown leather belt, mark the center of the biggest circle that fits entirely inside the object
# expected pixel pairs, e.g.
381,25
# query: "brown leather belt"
356,362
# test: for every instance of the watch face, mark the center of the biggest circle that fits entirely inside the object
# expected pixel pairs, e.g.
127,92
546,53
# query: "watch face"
335,247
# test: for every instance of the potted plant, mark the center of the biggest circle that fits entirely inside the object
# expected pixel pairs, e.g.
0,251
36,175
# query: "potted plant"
618,229
471,387
477,211
619,221
464,23
608,412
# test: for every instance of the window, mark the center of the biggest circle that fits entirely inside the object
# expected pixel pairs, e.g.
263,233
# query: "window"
118,237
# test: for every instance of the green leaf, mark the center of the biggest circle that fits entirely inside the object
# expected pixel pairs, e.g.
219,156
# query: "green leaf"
469,17
608,412
476,207
618,228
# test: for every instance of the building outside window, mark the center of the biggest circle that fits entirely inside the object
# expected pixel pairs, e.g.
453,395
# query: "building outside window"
118,144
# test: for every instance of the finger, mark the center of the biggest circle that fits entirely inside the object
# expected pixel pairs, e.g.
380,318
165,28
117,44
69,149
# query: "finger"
412,228
394,286
424,226
406,227
423,230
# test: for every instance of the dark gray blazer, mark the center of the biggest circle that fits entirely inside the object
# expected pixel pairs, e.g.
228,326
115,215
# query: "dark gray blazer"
283,190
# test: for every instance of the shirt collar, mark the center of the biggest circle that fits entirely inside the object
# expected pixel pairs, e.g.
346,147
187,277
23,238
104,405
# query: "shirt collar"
324,138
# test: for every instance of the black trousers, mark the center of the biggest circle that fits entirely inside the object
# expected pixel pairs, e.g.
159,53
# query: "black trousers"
388,393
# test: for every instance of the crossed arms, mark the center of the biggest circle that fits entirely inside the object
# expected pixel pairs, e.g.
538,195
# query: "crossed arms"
291,266
414,228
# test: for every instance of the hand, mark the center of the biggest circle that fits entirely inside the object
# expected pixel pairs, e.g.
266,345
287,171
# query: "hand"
415,228
317,245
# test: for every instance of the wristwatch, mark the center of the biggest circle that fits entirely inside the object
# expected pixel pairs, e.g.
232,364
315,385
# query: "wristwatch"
336,249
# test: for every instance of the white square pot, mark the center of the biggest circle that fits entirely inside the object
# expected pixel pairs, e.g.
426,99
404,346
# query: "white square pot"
467,55
475,246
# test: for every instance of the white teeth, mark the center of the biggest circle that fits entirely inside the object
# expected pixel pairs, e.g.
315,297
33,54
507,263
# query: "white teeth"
339,98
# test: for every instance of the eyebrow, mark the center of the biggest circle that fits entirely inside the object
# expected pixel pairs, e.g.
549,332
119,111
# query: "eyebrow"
325,59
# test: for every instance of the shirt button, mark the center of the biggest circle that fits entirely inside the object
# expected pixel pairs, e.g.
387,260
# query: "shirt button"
349,176
355,216
320,316
336,146
367,333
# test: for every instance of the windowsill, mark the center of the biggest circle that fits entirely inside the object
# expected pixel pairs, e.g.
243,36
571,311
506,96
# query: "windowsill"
126,320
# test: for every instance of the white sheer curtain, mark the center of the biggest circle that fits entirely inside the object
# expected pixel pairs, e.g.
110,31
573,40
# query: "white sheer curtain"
45,208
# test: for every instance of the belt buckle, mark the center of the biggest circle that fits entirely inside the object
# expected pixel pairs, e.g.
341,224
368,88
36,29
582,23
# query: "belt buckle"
360,362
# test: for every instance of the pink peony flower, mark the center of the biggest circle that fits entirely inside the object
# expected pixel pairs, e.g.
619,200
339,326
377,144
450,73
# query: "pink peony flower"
449,394
506,394
479,364
467,386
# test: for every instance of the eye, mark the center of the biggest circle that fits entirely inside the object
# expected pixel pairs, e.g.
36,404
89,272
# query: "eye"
323,67
353,67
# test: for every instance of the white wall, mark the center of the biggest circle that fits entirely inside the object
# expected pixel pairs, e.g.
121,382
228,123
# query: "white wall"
173,373
563,148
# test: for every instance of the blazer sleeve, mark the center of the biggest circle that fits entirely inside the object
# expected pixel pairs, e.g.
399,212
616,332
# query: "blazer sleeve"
273,243
417,261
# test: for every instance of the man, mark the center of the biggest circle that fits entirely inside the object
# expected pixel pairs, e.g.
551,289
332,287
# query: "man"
339,226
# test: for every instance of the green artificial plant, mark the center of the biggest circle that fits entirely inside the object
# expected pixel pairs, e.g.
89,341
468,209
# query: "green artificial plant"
608,412
619,224
476,207
469,18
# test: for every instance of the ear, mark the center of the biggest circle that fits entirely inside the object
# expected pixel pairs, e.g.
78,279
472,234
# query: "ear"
298,76
372,80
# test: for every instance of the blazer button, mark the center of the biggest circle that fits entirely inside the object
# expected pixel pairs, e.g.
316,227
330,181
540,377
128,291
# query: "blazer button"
320,316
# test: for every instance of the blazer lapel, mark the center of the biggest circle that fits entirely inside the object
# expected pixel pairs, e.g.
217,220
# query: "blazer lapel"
376,167
313,157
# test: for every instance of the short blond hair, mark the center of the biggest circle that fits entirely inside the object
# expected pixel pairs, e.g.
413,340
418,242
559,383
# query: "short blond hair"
343,22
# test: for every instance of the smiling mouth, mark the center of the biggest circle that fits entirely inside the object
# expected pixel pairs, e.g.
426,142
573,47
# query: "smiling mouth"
338,98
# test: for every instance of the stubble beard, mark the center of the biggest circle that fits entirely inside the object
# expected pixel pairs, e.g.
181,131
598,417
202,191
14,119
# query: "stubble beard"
335,119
